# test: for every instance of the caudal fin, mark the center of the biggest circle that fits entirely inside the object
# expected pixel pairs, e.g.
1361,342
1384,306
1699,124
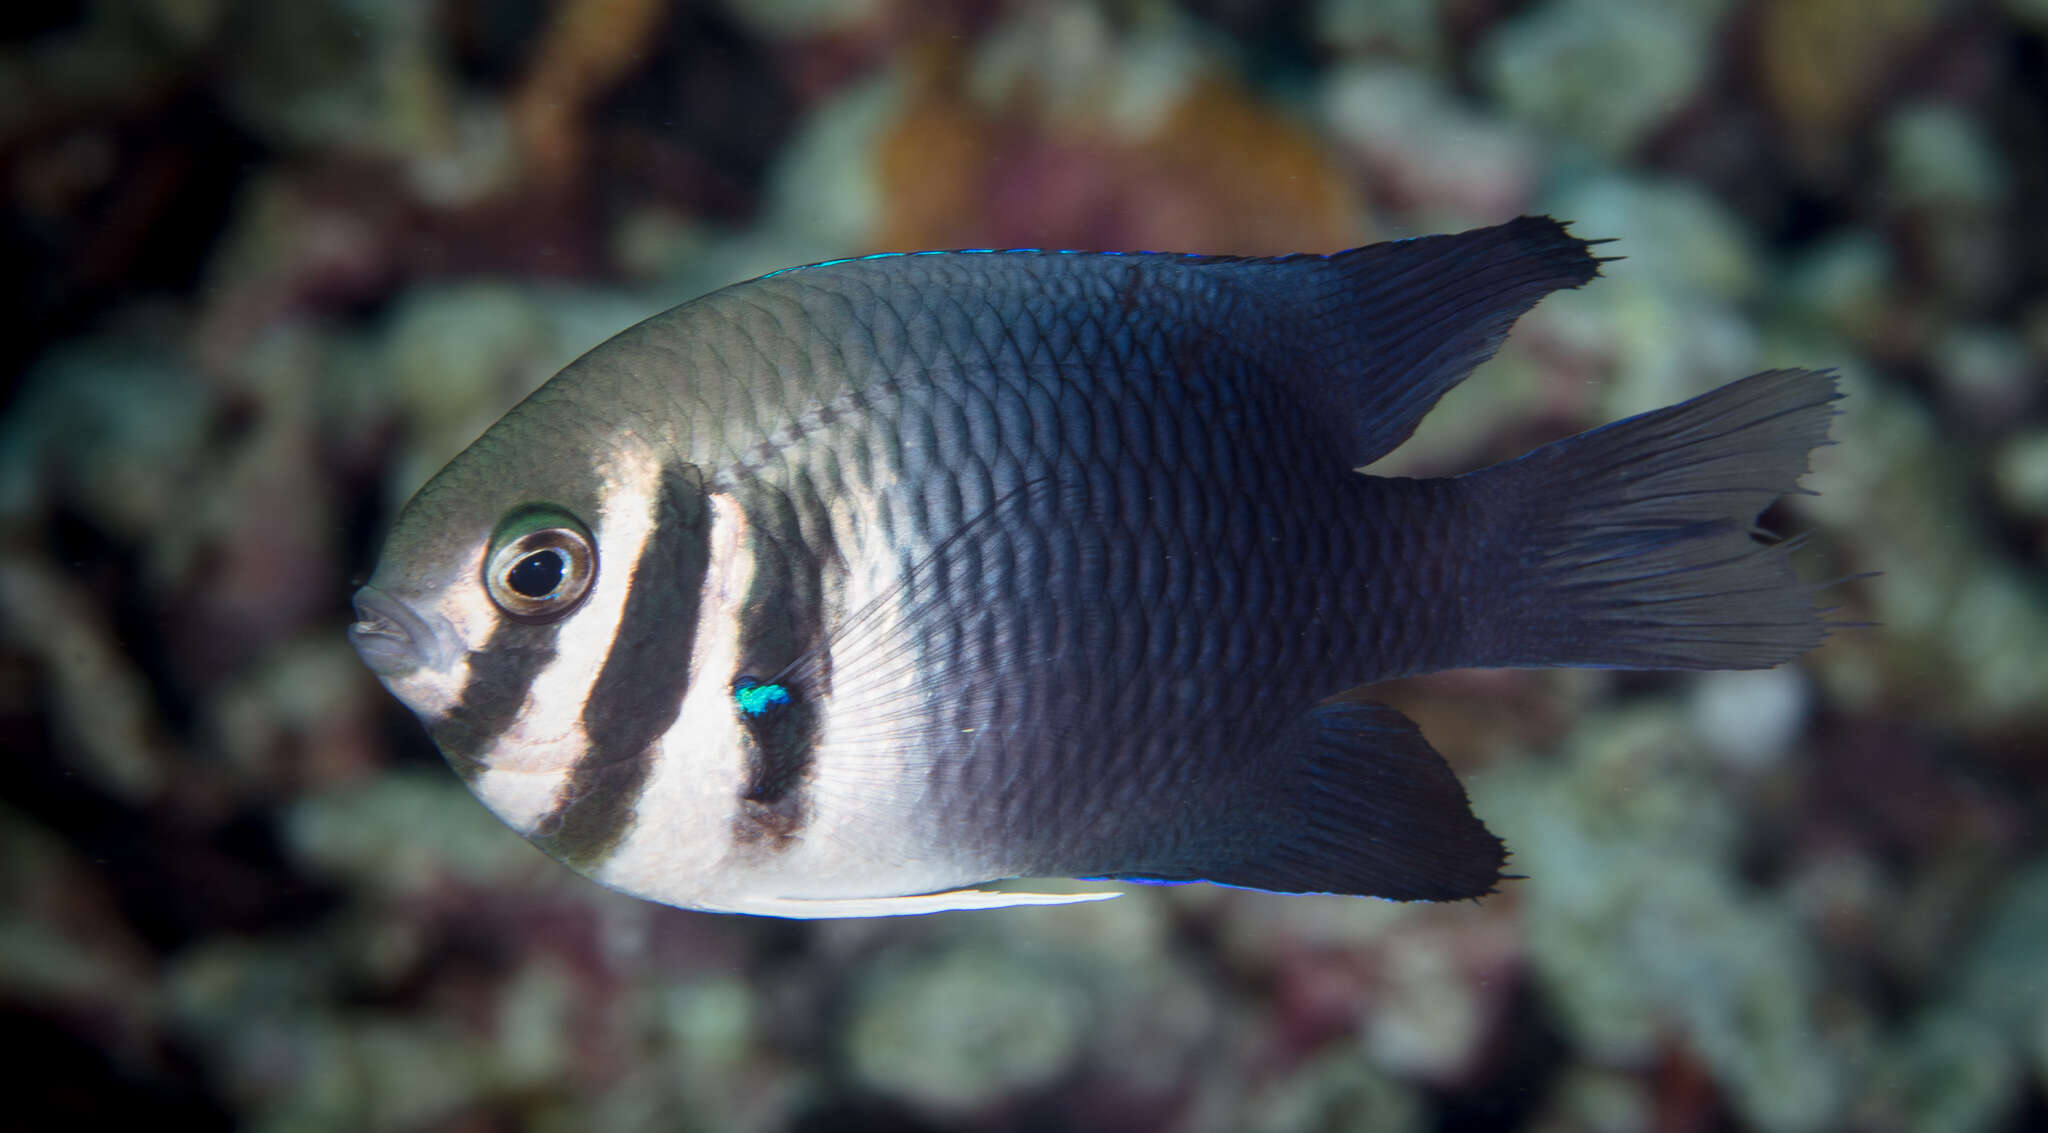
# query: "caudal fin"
1635,545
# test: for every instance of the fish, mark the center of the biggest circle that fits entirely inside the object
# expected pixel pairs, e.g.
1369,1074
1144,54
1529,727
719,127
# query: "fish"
860,587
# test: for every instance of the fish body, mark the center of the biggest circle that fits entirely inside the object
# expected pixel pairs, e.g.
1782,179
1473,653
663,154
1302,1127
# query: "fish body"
842,590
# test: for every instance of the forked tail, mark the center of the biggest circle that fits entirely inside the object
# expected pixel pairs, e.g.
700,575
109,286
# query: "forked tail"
1635,545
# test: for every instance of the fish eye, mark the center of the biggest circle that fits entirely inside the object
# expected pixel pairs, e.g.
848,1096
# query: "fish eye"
541,565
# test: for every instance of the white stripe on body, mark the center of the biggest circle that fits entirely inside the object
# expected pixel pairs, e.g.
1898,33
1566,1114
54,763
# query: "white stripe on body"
681,834
859,844
527,767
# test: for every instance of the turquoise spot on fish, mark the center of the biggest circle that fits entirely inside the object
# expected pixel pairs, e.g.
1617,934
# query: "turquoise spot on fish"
754,699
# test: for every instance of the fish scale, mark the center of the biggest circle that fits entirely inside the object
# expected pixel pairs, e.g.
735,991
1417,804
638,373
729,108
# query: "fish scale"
912,572
1130,732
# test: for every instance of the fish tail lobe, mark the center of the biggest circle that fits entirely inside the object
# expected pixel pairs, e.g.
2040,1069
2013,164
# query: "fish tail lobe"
1635,545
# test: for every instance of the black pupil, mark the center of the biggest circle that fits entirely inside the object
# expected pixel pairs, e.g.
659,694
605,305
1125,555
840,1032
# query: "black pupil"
537,575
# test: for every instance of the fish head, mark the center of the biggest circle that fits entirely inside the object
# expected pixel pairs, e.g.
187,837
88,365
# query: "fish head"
500,589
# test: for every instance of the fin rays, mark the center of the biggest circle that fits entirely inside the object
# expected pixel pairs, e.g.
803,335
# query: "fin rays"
914,645
1639,544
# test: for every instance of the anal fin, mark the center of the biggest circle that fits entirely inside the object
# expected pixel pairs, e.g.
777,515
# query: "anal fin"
1360,804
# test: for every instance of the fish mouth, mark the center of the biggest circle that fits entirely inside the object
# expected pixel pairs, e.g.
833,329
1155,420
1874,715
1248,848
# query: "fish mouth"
390,638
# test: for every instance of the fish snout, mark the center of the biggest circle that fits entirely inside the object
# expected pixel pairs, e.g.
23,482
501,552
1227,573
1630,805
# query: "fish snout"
389,637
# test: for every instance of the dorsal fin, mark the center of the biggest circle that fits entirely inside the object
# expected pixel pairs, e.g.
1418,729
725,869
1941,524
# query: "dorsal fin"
1368,338
1394,326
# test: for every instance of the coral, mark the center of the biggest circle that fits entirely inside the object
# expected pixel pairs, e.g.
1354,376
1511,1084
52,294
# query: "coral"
587,47
962,1033
1149,147
1423,153
1636,929
1603,73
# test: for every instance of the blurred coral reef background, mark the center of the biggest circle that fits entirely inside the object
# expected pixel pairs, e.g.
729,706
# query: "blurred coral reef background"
273,263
